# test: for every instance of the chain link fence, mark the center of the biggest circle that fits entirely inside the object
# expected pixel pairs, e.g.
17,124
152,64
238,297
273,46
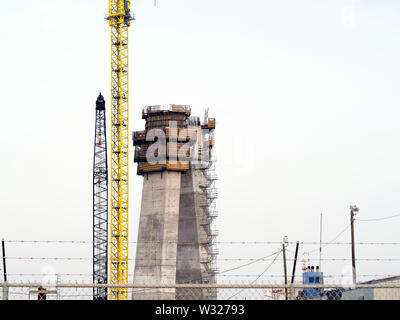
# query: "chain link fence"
38,291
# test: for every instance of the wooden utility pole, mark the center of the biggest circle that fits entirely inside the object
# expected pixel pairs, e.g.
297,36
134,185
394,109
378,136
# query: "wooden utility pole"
285,269
5,288
4,260
353,212
295,261
320,242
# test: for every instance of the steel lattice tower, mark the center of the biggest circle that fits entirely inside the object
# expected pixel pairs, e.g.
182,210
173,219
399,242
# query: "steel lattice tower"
100,202
119,21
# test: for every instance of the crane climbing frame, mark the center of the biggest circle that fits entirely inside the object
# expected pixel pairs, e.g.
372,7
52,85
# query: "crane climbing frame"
119,18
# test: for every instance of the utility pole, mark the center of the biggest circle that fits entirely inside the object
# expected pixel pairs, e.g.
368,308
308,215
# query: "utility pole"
4,260
5,288
295,261
320,242
353,212
285,242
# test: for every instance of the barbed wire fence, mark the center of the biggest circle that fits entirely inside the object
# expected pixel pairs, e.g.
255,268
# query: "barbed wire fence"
267,284
53,284
225,291
269,257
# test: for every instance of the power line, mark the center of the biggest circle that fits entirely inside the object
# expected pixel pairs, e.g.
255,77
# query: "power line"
266,269
228,270
247,264
379,219
330,242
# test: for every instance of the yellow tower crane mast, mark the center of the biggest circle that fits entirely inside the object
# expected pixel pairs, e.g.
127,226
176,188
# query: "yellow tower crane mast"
119,18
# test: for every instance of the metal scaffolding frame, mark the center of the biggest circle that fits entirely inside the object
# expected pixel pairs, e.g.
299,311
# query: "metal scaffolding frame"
206,162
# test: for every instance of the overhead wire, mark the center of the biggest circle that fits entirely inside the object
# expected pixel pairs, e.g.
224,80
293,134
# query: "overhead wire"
379,219
232,269
265,270
330,242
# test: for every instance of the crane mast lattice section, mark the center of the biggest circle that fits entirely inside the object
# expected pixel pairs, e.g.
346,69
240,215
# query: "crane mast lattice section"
119,20
100,202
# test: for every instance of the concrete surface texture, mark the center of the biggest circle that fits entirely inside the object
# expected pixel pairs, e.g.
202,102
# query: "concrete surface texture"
174,241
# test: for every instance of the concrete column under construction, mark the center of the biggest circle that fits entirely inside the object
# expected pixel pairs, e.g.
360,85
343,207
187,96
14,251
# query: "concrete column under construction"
158,234
175,237
191,257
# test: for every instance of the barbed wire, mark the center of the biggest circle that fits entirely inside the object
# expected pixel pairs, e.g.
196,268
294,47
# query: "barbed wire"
219,285
230,285
222,242
267,276
220,275
219,259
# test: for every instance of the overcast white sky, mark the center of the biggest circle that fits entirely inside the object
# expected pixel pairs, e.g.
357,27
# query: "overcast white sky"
306,96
